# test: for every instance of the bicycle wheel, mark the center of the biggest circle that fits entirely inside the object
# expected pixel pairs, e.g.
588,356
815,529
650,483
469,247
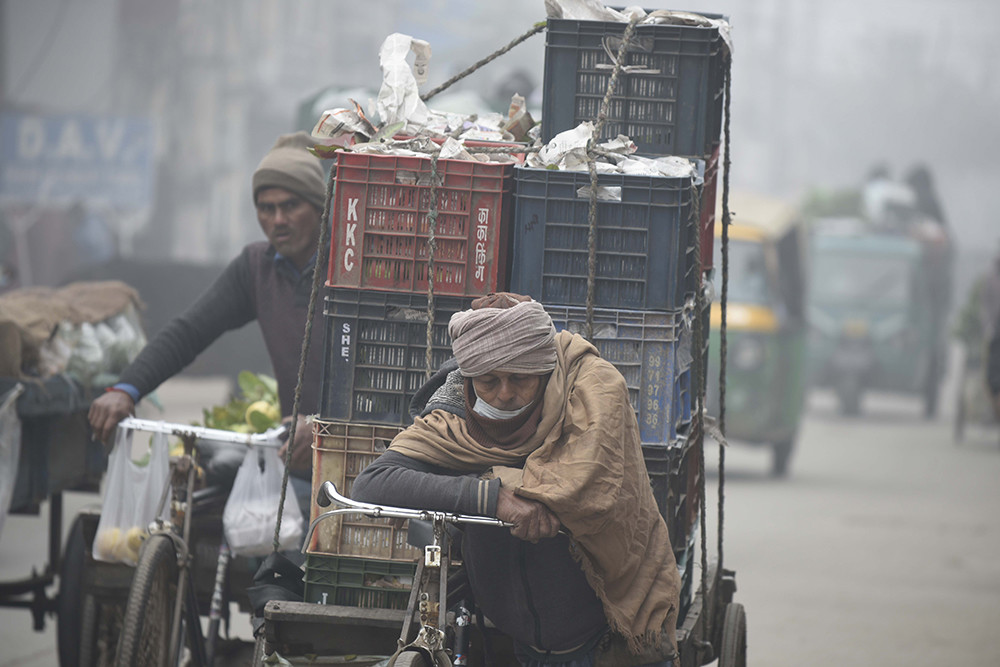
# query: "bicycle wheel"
149,611
70,598
412,659
100,628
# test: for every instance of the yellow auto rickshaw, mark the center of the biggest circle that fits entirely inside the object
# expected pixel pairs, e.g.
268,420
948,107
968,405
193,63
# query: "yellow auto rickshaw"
765,326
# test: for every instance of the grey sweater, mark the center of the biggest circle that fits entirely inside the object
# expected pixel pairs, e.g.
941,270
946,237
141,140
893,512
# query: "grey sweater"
535,593
253,286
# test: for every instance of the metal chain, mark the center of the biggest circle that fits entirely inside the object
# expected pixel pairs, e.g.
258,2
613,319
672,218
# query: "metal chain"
324,235
432,214
592,151
537,28
722,307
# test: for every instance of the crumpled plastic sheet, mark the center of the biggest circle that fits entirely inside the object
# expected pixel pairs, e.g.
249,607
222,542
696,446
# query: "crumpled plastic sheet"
568,151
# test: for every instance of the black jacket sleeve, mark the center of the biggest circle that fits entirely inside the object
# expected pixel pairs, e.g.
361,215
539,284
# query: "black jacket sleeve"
227,304
398,480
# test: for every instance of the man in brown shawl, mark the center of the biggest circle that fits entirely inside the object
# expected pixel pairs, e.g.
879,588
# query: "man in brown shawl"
536,429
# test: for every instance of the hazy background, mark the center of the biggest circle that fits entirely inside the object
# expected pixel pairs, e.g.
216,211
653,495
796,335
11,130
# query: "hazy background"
822,90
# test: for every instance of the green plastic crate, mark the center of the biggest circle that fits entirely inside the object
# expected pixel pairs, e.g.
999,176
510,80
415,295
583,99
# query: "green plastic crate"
358,582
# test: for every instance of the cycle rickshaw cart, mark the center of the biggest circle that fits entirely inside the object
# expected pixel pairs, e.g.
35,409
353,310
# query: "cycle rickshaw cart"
57,455
711,625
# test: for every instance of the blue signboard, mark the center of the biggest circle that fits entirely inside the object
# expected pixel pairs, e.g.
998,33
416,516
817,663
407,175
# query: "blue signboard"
57,160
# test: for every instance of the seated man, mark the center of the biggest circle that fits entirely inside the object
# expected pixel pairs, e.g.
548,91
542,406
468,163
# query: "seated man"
538,432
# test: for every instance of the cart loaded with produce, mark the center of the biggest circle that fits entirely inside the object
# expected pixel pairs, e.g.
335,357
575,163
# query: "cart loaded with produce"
605,214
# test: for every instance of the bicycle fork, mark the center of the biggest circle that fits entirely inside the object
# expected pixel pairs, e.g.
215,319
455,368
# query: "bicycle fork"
429,597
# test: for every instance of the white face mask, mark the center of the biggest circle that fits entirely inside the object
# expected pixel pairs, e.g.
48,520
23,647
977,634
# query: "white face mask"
484,409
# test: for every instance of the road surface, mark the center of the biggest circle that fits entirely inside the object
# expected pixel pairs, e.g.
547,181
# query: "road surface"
881,548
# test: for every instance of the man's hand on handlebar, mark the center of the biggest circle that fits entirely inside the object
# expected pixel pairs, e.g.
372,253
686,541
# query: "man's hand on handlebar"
532,520
302,447
106,411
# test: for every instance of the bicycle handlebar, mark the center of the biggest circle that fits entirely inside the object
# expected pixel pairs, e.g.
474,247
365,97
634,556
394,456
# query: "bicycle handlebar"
329,494
269,438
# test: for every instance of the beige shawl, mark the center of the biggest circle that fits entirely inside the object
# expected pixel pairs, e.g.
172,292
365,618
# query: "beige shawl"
585,464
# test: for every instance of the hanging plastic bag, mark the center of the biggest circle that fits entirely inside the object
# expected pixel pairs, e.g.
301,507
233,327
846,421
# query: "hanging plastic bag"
252,509
136,479
10,448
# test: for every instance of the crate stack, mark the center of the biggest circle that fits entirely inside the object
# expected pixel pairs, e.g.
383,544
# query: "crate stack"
378,345
646,281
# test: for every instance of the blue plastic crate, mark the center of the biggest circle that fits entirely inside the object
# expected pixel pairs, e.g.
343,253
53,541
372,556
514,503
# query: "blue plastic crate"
669,102
647,348
374,357
645,242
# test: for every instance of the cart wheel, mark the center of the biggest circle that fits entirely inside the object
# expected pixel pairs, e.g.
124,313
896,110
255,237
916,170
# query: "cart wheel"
781,452
733,652
145,636
100,627
412,659
960,409
70,601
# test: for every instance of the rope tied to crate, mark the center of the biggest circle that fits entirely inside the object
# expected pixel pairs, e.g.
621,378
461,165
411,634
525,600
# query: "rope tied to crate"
432,215
722,305
592,152
324,234
535,29
697,428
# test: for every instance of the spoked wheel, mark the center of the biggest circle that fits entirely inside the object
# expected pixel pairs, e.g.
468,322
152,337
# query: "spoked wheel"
733,651
149,612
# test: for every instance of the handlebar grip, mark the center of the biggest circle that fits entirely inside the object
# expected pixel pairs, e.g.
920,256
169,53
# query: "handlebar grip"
323,496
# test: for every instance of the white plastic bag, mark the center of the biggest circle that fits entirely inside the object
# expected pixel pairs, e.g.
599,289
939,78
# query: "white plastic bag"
137,476
252,508
10,448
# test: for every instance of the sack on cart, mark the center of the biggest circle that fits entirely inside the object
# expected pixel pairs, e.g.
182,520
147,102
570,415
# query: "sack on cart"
138,476
252,509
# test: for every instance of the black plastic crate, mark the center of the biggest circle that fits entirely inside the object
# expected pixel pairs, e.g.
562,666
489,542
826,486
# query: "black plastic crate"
358,582
647,348
374,357
669,103
674,474
645,242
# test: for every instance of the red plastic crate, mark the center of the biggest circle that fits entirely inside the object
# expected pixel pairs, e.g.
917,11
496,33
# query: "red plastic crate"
380,225
708,203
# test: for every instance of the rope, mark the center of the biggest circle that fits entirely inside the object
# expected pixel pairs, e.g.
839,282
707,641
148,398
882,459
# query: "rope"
697,432
324,231
432,214
722,306
602,117
537,28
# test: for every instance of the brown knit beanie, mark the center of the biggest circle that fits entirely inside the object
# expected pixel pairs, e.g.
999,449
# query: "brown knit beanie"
290,166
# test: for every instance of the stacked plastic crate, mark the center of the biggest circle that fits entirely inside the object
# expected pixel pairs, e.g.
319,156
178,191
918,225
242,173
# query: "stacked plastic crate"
399,223
668,101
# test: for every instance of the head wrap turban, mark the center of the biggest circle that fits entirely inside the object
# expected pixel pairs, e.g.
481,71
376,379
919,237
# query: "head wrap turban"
502,332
